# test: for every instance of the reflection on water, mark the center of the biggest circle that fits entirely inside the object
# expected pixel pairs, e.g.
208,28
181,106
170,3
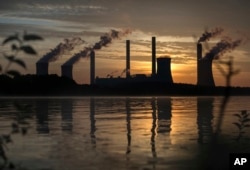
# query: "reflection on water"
118,132
204,119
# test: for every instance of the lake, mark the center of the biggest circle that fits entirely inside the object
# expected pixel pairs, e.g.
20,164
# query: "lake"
120,132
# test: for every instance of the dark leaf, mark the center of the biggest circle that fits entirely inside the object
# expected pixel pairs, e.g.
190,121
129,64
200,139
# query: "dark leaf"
20,62
28,49
14,47
1,68
237,115
245,115
13,73
238,125
247,125
246,120
10,58
11,38
30,37
243,112
11,166
24,130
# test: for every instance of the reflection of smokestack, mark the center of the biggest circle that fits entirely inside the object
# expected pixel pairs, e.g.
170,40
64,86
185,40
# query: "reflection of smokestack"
164,69
42,68
204,119
92,67
153,56
127,59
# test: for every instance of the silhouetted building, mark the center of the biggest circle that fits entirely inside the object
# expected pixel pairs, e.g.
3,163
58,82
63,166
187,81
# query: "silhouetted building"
92,67
153,56
42,68
163,74
66,71
204,69
127,59
164,69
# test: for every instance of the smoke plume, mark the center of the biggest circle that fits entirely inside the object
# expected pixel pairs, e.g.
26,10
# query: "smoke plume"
61,48
225,45
207,35
103,42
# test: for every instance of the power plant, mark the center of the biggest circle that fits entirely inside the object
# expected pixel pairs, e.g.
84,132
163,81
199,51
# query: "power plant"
204,69
163,73
161,66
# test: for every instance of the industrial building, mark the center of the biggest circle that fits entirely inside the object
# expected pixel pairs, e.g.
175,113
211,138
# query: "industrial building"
161,75
204,69
161,69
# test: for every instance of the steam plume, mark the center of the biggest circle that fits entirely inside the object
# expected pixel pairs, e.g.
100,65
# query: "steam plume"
207,35
103,42
225,45
60,49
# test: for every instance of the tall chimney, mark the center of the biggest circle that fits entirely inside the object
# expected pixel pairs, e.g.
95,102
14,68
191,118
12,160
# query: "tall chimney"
199,57
66,71
164,69
42,68
92,67
204,69
153,56
127,59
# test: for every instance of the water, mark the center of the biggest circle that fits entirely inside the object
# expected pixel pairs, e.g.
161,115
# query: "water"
117,132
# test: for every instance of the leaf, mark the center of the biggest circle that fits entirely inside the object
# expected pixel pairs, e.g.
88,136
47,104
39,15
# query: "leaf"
246,120
237,115
1,68
10,57
238,125
20,62
13,73
28,49
30,37
243,112
247,125
11,38
14,47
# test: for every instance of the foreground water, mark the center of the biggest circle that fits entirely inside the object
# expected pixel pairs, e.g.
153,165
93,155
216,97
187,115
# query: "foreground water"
118,132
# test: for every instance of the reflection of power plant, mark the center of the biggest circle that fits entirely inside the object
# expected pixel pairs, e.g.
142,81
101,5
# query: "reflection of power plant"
204,69
67,118
204,119
163,73
42,112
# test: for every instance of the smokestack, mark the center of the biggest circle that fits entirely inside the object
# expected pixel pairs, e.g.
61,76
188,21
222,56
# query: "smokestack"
42,68
153,56
127,59
66,71
92,67
204,69
164,69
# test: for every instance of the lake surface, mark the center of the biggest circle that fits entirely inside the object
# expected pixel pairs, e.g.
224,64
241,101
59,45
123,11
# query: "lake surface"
118,132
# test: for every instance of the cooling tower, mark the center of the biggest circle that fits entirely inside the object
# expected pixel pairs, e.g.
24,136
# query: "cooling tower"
153,56
66,71
42,68
92,67
127,59
204,69
164,69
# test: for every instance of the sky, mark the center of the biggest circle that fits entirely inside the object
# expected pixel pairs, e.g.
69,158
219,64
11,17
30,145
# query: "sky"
177,26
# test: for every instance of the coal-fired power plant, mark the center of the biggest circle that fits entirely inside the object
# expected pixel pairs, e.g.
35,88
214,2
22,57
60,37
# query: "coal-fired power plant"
161,74
204,69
